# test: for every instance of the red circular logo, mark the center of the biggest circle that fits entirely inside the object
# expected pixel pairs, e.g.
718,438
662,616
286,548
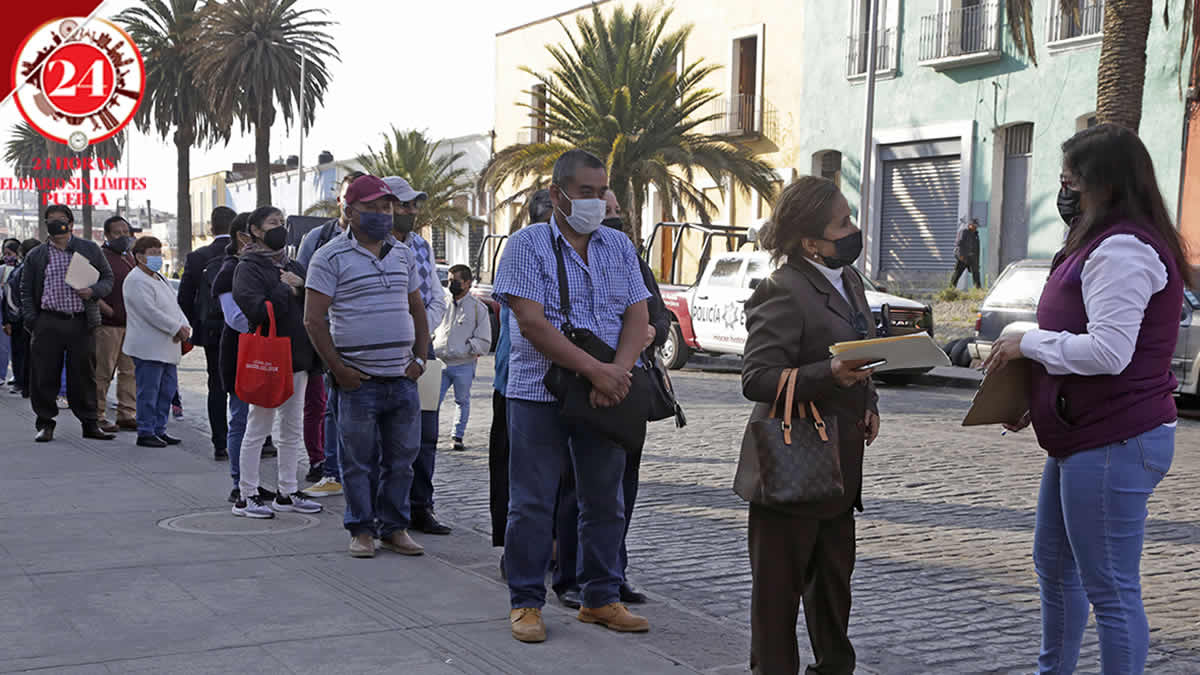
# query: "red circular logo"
78,81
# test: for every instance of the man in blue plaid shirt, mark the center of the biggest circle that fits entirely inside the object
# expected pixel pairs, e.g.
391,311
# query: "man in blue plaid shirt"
608,297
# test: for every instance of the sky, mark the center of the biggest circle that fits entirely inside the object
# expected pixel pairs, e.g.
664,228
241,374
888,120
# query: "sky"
412,64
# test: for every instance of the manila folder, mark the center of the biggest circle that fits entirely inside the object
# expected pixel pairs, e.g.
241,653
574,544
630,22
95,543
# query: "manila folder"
902,353
1003,397
80,273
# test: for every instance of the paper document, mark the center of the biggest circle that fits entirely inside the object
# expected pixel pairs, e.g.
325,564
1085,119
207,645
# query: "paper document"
902,353
80,273
1003,397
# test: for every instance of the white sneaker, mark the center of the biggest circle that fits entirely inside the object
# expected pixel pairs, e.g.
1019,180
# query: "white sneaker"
252,508
326,487
295,503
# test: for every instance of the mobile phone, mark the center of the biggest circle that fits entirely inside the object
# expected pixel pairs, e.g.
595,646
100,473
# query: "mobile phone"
871,365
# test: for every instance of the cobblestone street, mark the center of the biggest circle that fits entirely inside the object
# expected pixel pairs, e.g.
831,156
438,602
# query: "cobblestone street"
944,581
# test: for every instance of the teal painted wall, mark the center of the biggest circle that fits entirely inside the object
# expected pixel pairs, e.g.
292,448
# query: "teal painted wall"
1051,95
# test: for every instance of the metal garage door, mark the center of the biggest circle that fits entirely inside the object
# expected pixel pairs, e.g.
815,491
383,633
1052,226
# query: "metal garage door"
919,215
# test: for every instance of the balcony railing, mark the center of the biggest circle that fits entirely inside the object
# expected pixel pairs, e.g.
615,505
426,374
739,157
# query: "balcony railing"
1086,22
743,116
961,36
885,52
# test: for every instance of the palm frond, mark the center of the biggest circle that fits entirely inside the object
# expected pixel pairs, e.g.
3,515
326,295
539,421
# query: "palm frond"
414,157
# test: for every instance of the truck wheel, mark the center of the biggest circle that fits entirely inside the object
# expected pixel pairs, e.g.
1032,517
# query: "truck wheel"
675,351
961,356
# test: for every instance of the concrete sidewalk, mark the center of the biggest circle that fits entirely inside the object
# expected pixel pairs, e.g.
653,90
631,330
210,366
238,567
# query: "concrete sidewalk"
120,559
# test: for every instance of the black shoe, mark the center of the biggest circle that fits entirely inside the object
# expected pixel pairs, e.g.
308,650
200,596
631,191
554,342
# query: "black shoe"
94,432
425,521
44,435
570,598
151,442
458,445
315,473
265,494
630,595
169,440
220,454
269,450
235,496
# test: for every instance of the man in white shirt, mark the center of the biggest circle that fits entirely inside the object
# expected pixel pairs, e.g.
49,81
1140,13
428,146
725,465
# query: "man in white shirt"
464,335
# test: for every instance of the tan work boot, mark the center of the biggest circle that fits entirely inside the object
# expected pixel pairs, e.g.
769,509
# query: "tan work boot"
362,546
400,542
527,624
615,617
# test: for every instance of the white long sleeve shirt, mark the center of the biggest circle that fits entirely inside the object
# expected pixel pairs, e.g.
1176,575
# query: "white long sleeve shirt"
153,317
1119,278
465,333
233,314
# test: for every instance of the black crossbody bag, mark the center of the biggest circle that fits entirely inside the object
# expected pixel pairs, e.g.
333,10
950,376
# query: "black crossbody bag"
624,423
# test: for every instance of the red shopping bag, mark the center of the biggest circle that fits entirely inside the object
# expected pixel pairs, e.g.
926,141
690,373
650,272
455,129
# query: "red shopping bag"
264,367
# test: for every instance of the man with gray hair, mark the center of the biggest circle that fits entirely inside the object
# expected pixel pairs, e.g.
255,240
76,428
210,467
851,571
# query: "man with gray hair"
608,298
404,215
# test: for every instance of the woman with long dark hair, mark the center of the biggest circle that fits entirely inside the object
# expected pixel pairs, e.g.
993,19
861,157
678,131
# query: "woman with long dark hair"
1102,395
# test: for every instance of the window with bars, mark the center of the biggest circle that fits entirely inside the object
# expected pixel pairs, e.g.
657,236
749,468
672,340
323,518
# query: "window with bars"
1018,140
1084,19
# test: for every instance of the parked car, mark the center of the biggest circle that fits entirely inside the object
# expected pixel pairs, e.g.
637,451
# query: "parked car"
1011,306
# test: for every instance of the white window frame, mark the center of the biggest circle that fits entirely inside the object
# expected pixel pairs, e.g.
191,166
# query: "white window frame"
1056,45
859,25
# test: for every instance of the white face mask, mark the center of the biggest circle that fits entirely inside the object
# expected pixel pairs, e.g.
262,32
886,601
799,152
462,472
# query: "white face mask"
587,215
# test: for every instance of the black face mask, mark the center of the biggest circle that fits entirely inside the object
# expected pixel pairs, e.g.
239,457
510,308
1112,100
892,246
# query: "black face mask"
402,223
119,245
614,222
1068,205
275,239
57,227
456,288
845,251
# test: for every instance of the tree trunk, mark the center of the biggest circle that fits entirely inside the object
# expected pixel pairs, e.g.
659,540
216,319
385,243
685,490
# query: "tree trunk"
1122,73
262,155
633,223
183,197
86,176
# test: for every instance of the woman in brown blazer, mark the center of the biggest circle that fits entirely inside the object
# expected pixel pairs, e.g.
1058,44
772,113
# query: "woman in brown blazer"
806,550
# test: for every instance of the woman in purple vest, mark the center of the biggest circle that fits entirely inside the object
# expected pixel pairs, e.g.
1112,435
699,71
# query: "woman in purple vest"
1101,400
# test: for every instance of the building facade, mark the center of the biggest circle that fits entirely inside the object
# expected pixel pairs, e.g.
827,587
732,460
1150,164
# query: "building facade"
963,126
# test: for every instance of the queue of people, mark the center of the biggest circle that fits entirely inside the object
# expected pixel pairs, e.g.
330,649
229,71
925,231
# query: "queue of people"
581,315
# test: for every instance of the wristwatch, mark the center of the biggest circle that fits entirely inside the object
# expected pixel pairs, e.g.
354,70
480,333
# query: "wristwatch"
420,362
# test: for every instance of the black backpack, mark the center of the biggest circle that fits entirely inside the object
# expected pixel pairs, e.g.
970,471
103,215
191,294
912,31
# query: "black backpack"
207,307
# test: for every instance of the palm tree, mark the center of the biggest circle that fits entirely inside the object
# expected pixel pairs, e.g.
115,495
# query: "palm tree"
1122,72
33,157
173,106
247,56
108,149
412,156
615,92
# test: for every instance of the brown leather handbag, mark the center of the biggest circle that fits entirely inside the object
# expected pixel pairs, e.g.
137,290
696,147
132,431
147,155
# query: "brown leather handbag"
782,463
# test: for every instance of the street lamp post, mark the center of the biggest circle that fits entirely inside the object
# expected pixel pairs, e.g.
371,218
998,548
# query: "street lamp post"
300,158
868,160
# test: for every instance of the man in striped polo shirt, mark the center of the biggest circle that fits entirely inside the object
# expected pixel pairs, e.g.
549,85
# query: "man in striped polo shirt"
364,314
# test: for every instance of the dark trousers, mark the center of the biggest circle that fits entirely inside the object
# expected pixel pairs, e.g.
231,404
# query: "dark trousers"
218,400
566,521
498,467
794,558
421,494
20,357
971,263
56,338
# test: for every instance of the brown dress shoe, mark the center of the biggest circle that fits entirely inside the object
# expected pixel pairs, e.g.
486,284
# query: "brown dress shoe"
527,624
362,546
127,425
400,542
109,428
615,617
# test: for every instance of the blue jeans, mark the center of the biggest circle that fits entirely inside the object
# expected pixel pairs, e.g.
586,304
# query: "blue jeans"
333,440
238,412
461,377
542,446
377,477
156,384
566,575
1091,520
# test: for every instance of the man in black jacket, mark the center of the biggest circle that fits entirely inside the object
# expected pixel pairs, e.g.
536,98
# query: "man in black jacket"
195,298
62,321
966,250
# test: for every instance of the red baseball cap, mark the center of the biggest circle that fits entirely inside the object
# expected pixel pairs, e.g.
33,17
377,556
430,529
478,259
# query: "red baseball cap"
368,189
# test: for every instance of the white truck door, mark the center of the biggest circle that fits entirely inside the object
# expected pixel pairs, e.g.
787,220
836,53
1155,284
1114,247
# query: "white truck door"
716,306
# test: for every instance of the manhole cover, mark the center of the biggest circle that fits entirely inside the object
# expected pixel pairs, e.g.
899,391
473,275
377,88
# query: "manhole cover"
222,522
